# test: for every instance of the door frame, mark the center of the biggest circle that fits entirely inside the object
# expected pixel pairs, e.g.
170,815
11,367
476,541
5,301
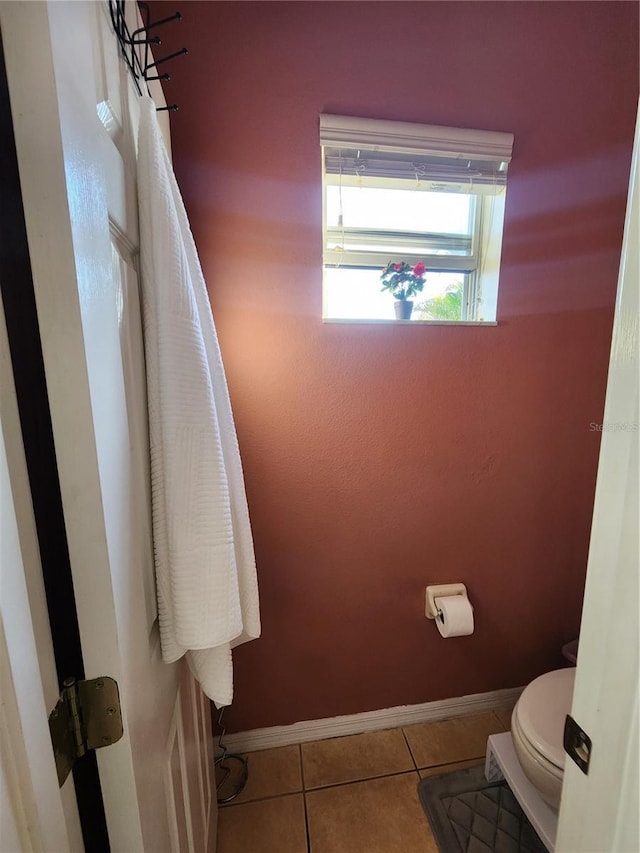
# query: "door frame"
29,385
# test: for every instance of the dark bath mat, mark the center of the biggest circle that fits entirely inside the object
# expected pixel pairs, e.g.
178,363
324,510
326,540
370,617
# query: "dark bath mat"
470,815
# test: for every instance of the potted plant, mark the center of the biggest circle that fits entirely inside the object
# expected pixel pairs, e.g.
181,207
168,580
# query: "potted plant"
403,280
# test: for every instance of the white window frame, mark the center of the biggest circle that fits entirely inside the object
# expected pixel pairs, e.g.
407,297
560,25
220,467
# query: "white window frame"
472,158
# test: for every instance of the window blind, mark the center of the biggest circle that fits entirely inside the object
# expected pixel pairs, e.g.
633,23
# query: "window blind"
357,149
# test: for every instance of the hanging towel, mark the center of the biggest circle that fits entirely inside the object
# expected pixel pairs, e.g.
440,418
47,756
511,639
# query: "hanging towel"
205,567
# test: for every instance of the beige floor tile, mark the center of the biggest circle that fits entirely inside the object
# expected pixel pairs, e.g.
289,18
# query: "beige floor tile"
446,741
504,717
272,772
375,816
347,759
268,826
449,768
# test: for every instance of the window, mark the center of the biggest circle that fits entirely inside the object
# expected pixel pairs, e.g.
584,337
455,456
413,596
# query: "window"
395,191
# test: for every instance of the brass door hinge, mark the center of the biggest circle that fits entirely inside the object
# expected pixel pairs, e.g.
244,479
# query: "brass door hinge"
87,716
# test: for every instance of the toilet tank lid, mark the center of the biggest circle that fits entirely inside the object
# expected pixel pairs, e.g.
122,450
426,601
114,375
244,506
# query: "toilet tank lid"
542,709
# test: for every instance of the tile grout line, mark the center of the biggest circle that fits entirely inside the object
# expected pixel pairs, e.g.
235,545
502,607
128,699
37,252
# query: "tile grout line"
346,782
306,822
304,800
233,805
406,740
503,710
265,799
302,782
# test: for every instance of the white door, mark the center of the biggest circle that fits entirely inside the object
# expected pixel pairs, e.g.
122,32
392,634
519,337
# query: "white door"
30,802
32,807
599,811
75,113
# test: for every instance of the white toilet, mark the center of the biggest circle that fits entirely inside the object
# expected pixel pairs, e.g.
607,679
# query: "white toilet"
537,728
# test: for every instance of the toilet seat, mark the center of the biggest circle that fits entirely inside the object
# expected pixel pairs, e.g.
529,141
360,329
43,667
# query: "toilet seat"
541,712
537,729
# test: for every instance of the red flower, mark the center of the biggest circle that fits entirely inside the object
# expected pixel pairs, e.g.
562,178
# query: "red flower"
397,267
419,269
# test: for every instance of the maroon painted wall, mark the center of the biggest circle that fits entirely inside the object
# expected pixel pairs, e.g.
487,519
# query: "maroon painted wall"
379,459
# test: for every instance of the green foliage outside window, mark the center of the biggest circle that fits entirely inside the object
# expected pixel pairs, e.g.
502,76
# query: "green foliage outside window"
448,306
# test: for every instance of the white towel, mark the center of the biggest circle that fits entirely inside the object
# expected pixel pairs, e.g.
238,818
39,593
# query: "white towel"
205,566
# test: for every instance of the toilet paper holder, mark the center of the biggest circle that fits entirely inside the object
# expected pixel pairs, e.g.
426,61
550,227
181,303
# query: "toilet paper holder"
441,591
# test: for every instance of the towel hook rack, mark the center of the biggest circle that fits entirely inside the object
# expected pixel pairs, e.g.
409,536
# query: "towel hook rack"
135,46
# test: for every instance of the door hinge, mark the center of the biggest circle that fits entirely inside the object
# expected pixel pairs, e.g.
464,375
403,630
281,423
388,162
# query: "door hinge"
577,744
87,716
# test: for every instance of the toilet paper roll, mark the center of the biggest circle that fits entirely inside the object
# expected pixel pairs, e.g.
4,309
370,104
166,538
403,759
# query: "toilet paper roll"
455,616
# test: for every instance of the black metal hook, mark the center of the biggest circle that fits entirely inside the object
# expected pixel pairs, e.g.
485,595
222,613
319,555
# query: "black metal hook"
181,52
152,40
148,26
132,45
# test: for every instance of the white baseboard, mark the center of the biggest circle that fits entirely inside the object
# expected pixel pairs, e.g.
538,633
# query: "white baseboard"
386,718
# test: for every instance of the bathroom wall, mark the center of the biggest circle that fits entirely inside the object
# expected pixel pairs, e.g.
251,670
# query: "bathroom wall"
382,458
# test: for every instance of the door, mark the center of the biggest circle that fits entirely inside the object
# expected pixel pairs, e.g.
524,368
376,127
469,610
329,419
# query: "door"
32,807
75,113
599,811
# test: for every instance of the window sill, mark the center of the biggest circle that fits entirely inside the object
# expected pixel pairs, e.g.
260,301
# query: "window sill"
391,322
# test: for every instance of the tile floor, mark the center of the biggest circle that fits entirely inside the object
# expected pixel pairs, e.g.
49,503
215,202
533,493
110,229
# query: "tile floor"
354,794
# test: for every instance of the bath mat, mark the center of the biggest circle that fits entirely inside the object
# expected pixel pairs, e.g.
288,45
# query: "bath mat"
470,815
